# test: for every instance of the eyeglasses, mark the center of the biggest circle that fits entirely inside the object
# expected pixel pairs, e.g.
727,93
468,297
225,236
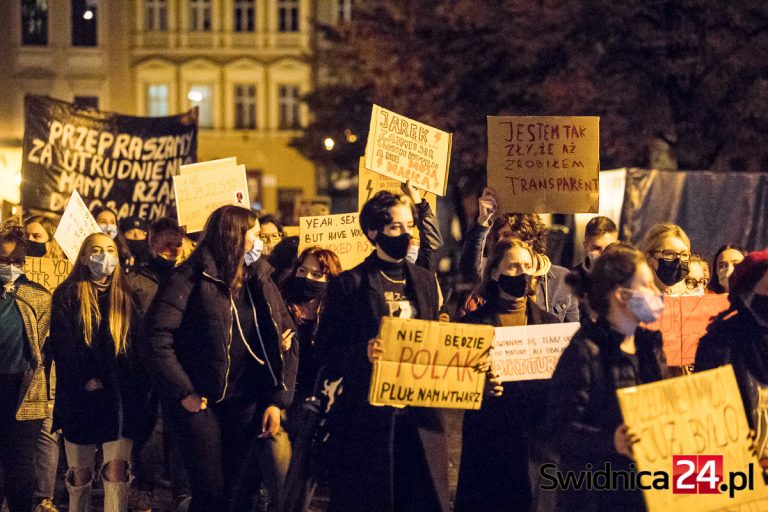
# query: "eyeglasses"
673,255
692,283
15,263
274,237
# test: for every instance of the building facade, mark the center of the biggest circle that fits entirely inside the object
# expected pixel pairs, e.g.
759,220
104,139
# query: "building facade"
244,63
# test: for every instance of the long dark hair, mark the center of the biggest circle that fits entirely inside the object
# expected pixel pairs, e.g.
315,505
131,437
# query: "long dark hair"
224,238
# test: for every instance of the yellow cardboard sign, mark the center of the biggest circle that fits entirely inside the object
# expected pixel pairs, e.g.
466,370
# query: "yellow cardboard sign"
198,194
430,364
530,352
340,233
369,183
697,415
48,272
405,149
545,164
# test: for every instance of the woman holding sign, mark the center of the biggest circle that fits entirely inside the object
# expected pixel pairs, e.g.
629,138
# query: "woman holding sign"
497,440
584,421
739,336
387,459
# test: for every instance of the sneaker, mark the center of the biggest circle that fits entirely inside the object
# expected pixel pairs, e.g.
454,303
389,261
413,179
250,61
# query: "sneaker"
46,505
140,501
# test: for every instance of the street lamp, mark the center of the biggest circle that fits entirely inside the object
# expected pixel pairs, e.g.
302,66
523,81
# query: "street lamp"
329,143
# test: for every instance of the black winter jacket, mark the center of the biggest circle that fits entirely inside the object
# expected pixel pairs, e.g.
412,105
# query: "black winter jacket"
190,328
93,417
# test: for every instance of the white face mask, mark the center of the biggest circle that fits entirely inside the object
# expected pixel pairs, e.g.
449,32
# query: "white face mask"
102,265
413,253
646,306
255,253
9,273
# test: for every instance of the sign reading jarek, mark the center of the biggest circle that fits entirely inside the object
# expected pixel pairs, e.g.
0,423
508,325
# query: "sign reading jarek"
123,162
407,150
545,164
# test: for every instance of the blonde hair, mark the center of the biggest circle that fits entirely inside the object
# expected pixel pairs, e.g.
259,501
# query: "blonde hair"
656,235
53,250
121,299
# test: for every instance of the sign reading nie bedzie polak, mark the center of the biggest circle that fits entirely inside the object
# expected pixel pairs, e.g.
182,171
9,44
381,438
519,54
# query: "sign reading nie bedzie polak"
545,164
529,352
340,233
405,149
430,364
693,452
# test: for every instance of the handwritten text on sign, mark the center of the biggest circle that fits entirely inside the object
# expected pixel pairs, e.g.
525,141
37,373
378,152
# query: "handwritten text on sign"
405,149
700,414
47,272
74,227
339,233
198,194
430,364
684,322
545,164
529,352
369,183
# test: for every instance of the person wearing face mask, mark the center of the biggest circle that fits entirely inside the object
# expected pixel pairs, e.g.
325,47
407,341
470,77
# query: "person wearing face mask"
100,389
668,251
739,337
584,422
725,260
599,234
428,230
40,242
385,458
163,245
497,440
271,233
106,218
134,230
25,309
219,341
304,295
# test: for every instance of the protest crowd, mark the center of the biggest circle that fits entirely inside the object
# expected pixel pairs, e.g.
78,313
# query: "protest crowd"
263,371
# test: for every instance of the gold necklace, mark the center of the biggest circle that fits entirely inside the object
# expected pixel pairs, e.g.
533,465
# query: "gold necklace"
394,281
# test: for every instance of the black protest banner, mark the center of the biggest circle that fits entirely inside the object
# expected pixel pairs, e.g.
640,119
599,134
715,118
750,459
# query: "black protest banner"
123,162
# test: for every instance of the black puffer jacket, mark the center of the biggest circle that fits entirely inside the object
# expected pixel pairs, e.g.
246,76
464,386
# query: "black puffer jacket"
189,332
584,409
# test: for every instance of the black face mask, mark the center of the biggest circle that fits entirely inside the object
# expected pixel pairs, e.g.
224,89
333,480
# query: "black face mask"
516,286
671,272
160,264
36,249
395,247
139,249
304,289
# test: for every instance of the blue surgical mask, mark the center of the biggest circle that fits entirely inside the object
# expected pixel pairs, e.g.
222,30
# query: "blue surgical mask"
255,253
10,273
413,253
102,265
109,230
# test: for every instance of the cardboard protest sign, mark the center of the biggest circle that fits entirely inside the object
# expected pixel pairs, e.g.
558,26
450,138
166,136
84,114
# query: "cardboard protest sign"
684,322
340,233
430,364
529,352
405,149
289,231
209,165
369,183
74,227
198,194
545,164
122,162
682,424
48,272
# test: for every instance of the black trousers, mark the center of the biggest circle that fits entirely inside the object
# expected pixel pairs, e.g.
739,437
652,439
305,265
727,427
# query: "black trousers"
220,449
17,448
